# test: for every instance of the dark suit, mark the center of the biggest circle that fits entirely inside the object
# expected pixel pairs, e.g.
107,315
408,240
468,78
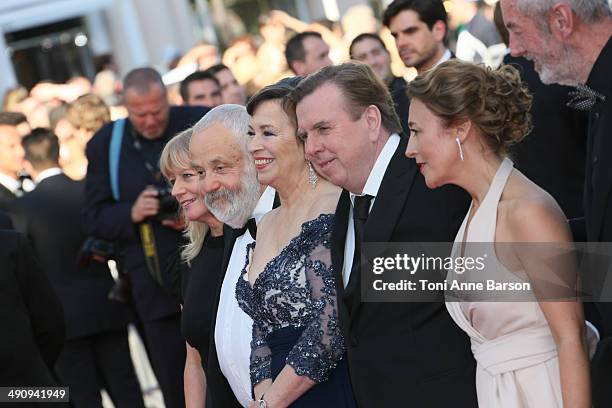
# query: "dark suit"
5,221
31,317
598,211
96,354
552,155
6,198
219,394
108,219
397,89
404,354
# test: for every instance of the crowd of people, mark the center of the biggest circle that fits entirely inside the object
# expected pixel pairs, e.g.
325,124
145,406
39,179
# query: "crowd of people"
240,217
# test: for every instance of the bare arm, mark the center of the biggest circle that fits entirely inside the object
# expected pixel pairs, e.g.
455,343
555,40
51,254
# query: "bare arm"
543,223
194,379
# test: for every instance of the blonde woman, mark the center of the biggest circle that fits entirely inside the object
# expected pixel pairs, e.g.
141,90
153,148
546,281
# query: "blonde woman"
199,264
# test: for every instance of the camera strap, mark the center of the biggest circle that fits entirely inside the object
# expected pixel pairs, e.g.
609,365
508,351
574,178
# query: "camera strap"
147,238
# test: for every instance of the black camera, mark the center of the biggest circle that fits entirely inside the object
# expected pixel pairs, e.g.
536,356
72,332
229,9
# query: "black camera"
168,206
95,249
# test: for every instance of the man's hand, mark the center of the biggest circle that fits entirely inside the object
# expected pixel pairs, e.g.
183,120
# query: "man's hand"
146,205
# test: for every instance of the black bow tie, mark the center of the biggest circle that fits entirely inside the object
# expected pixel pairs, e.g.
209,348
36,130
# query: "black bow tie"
251,225
584,98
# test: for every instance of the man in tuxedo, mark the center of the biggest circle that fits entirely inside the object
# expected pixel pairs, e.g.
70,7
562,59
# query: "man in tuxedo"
570,43
96,354
232,193
31,318
11,163
122,205
399,354
370,49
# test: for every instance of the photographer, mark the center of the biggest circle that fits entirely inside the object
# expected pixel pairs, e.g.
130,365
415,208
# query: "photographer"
123,200
96,354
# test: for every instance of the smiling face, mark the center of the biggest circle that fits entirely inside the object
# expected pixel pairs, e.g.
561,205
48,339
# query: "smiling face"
418,46
339,147
273,144
431,144
227,179
185,188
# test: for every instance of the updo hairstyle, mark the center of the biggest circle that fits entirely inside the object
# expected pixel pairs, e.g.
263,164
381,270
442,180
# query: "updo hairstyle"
495,100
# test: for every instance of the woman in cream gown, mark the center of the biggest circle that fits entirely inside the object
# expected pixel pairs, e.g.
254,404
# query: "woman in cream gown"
529,354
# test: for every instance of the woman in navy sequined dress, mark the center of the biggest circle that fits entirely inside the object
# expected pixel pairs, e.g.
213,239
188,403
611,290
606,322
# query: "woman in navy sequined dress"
287,285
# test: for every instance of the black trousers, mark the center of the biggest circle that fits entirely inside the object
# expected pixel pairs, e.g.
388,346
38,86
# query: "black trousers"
88,364
166,349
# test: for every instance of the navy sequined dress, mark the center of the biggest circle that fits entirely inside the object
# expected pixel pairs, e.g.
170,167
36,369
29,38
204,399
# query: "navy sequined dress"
293,304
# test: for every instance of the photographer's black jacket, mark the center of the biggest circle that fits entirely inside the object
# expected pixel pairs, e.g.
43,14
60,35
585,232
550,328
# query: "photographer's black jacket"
108,219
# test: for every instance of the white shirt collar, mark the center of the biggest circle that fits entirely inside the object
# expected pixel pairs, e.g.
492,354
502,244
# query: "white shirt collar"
265,204
9,182
445,57
380,167
50,172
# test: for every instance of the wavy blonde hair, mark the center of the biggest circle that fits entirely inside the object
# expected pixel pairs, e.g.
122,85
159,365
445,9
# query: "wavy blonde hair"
173,160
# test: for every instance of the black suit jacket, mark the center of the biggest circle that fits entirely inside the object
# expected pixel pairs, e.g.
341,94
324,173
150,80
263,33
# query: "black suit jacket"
404,354
5,221
397,88
219,394
108,219
49,216
598,212
31,319
6,198
553,154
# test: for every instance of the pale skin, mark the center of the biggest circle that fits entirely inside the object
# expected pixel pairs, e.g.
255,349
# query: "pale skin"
418,46
567,54
273,139
526,213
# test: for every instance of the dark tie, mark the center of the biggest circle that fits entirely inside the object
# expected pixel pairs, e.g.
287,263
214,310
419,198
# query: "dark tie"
361,210
251,225
584,98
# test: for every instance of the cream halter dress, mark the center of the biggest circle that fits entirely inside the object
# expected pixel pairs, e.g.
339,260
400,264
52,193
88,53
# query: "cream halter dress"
516,355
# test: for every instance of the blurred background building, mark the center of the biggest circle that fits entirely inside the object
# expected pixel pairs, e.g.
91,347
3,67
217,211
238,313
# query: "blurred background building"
56,40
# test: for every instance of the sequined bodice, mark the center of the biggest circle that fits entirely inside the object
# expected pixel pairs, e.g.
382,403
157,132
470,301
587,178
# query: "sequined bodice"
296,288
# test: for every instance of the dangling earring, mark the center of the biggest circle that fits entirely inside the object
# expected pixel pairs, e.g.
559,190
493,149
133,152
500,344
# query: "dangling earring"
460,148
312,176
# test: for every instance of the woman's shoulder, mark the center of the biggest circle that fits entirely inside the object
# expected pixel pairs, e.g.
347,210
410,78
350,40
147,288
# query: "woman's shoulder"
530,214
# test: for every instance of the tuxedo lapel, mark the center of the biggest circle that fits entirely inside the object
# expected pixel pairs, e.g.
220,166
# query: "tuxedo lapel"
338,239
388,206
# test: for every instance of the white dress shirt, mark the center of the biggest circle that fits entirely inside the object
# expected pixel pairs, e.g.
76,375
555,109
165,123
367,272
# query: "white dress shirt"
371,188
445,57
10,183
50,172
233,327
